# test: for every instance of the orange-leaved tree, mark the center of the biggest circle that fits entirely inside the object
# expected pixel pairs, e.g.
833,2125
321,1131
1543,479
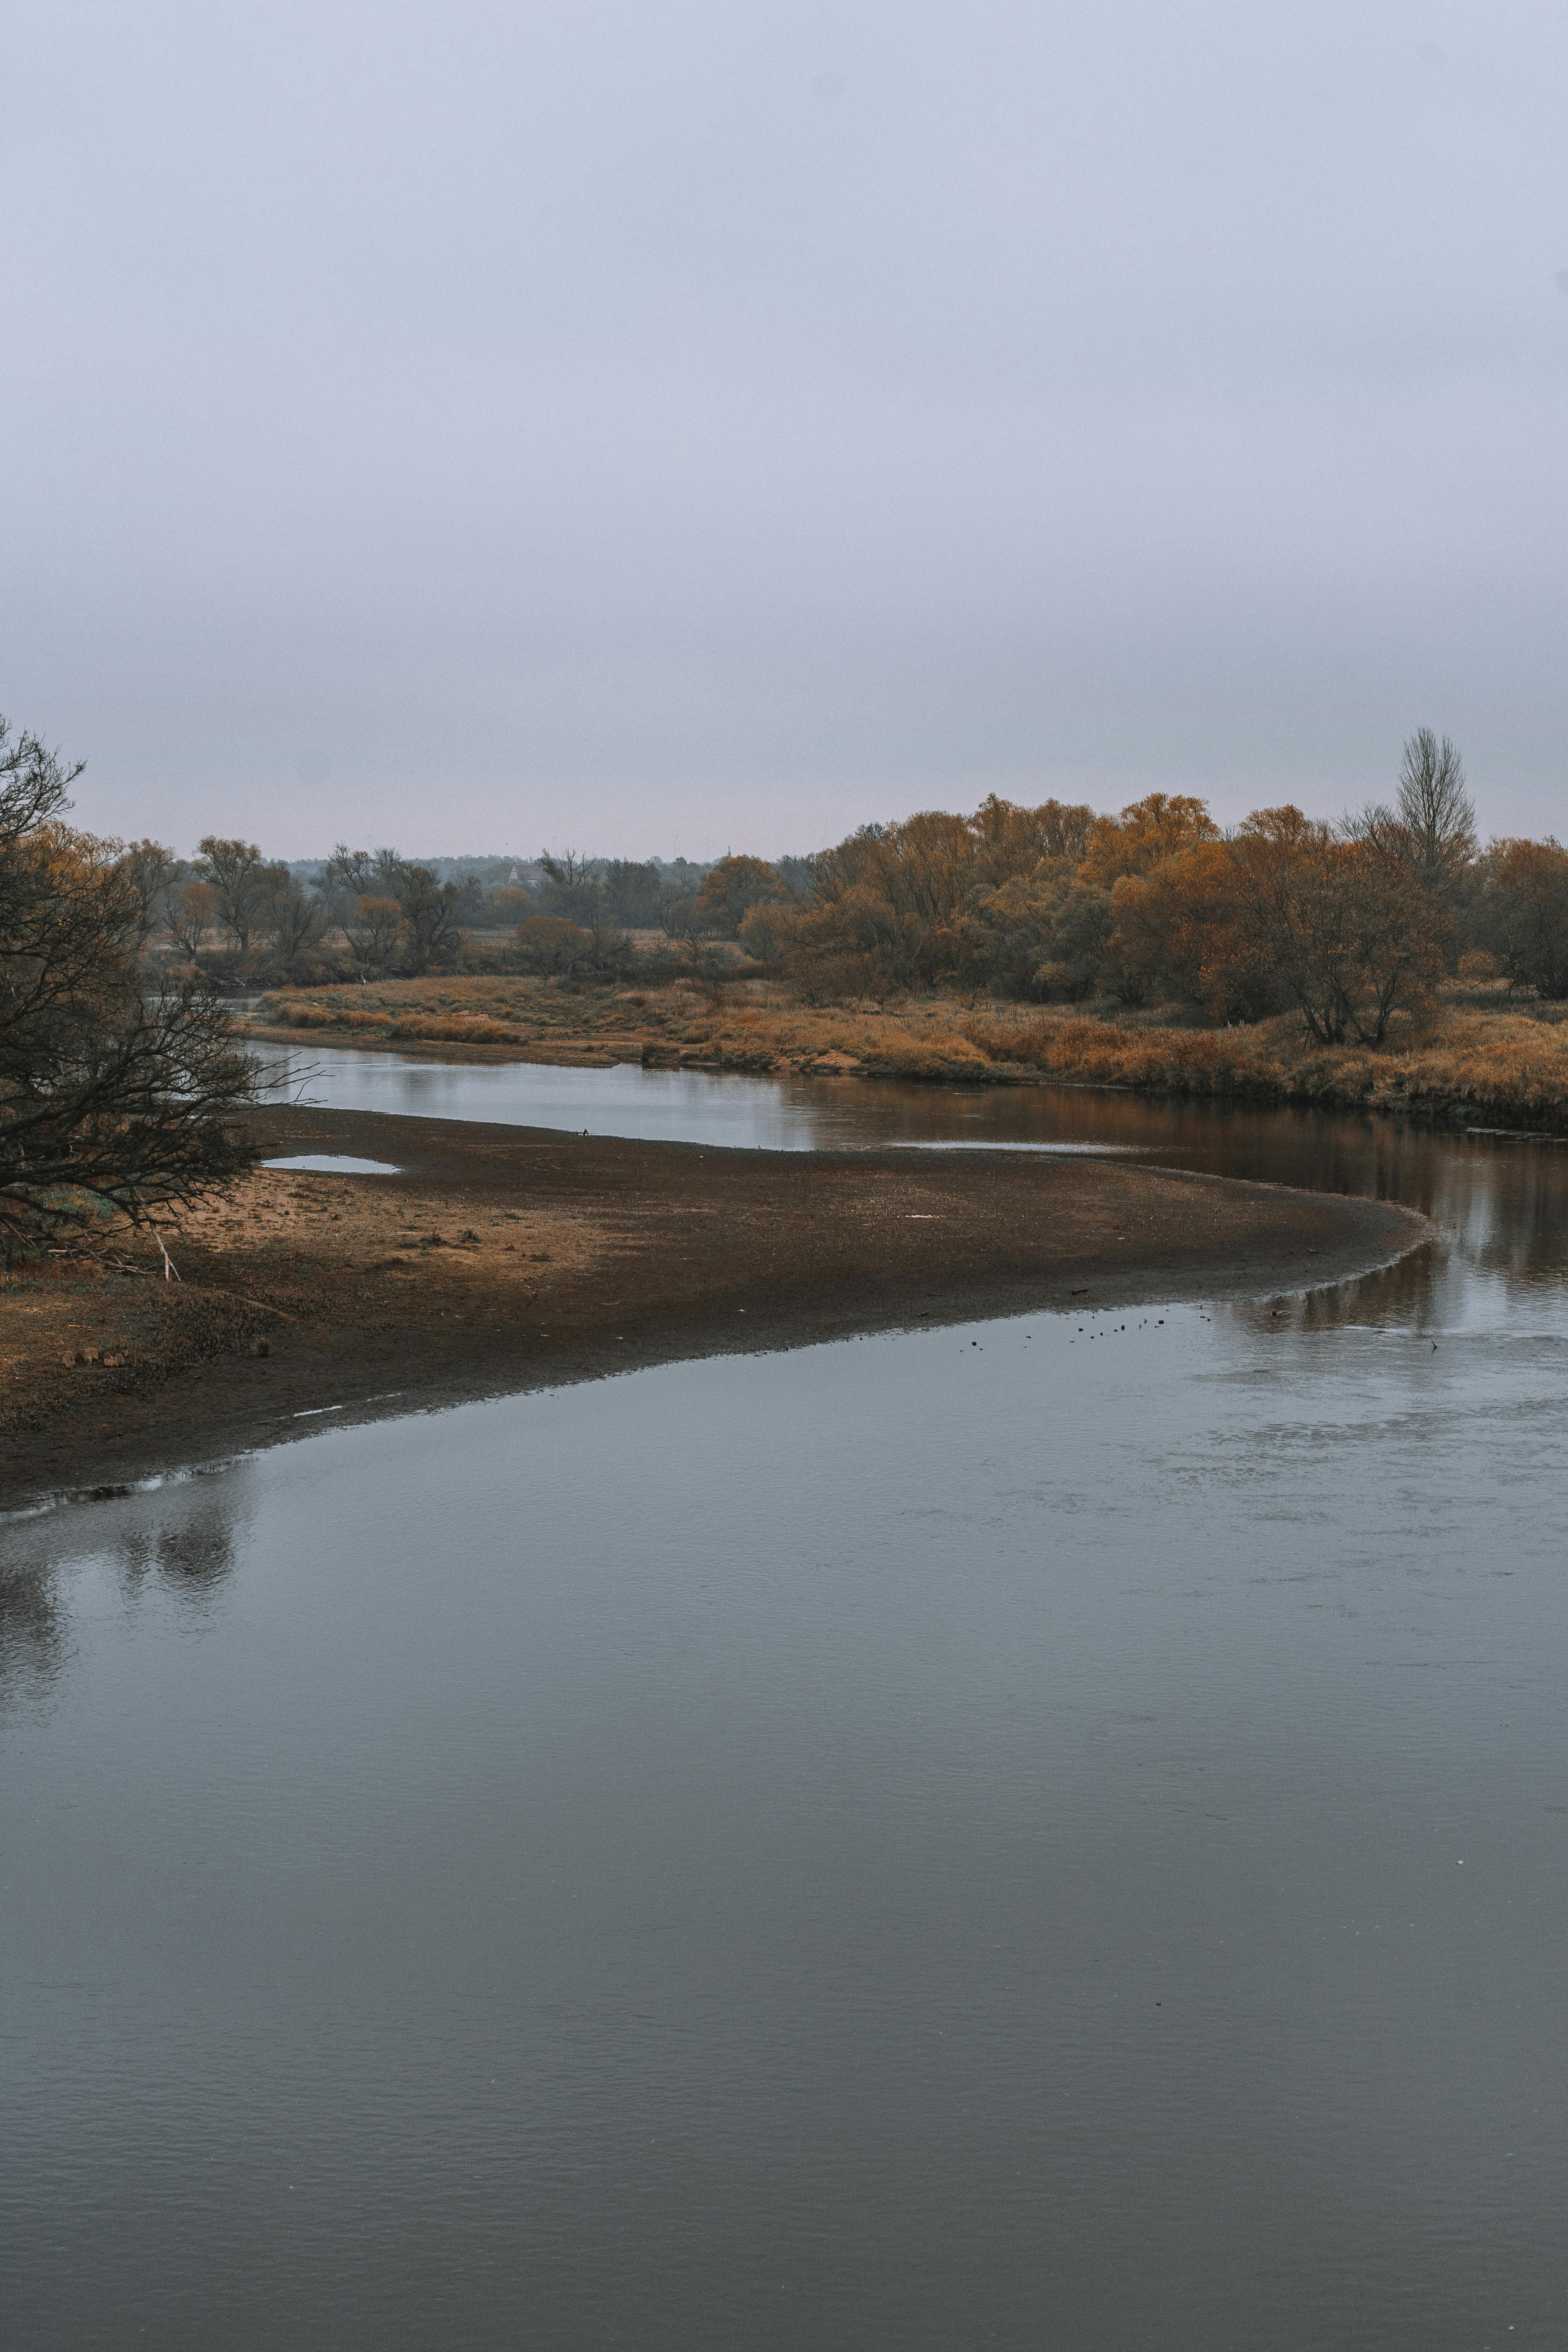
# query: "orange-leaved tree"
1187,926
1143,835
1522,918
729,892
1345,929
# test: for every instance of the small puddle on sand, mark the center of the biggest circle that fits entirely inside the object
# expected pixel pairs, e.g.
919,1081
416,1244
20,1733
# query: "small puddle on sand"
335,1163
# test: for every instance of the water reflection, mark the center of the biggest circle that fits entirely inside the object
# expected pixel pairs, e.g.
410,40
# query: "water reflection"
1500,1202
32,1635
170,1547
193,1550
1053,1841
1048,1835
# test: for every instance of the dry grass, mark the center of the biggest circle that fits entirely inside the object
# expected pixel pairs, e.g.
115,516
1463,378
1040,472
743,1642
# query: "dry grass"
1479,1061
756,1025
279,1247
1481,1064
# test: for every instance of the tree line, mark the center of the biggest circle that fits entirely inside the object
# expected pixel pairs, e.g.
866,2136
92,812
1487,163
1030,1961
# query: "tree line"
372,912
232,901
1346,924
119,1081
364,912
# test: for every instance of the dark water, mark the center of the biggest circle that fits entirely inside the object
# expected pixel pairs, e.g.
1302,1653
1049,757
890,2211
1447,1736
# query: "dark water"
1053,1842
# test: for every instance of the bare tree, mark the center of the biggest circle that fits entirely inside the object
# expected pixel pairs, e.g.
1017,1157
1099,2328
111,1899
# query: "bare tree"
431,914
573,887
295,917
191,914
373,932
1431,830
152,871
109,1099
1437,811
345,878
233,870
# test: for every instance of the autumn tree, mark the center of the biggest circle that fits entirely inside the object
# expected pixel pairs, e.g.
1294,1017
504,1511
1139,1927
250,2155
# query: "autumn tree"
110,1098
892,909
677,910
1522,917
1047,934
504,909
1012,842
1186,927
729,890
1143,835
991,900
550,944
1346,931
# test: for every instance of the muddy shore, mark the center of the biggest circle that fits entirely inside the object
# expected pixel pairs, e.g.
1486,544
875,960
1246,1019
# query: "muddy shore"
502,1258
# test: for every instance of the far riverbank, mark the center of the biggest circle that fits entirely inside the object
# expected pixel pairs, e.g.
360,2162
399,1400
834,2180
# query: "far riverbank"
1480,1060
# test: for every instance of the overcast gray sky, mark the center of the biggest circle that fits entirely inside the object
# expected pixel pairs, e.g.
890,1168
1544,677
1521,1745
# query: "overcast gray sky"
666,426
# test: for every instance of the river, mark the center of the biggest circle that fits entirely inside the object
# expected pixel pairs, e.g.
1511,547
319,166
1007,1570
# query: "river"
1045,1834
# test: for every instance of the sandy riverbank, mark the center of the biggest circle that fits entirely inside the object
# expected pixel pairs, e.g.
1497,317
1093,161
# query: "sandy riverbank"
501,1258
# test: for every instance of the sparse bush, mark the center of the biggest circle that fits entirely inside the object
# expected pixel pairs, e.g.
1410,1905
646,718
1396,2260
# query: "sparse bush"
549,943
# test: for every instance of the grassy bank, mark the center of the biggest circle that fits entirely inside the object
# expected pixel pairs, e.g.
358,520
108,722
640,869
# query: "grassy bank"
1478,1063
745,1025
1473,1067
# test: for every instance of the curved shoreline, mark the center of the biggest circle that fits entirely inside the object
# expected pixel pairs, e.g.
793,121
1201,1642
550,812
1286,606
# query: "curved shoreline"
501,1259
1452,1107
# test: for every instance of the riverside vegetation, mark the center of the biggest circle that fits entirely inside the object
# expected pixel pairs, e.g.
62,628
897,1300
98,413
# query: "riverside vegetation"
1475,1056
1387,962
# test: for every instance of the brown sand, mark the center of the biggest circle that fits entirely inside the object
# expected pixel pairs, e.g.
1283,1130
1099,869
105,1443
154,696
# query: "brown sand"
503,1258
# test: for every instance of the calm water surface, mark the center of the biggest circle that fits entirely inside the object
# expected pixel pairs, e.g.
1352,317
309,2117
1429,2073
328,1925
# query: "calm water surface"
1033,1835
